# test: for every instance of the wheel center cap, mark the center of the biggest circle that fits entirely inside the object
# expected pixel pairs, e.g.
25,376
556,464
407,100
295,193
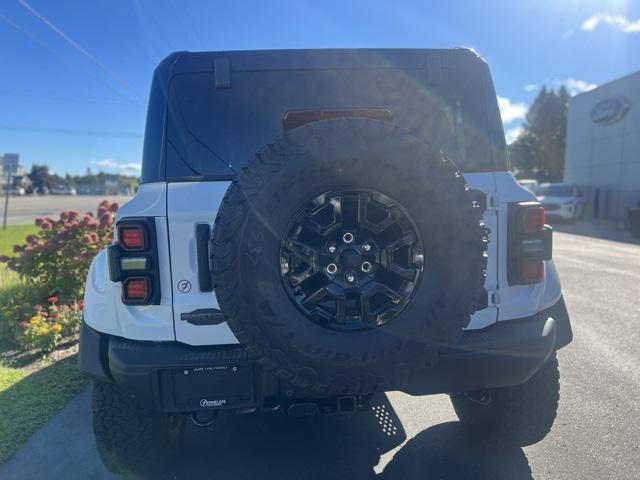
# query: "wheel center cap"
350,258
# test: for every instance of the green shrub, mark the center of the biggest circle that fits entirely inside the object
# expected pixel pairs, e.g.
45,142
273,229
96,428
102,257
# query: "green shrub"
52,265
56,259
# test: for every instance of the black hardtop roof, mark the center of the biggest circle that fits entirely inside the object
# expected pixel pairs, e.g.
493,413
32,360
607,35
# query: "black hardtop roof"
252,60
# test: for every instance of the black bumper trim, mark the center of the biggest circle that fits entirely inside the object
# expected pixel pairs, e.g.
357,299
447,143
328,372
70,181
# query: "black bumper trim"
93,356
506,353
501,355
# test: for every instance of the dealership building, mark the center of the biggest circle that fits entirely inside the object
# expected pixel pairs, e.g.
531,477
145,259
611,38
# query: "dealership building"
603,146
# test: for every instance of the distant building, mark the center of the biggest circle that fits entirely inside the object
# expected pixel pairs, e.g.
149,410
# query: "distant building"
603,146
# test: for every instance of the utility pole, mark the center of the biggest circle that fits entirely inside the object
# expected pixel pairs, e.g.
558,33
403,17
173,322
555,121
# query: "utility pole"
6,200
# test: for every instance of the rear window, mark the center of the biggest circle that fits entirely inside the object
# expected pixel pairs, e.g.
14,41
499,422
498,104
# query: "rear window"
213,132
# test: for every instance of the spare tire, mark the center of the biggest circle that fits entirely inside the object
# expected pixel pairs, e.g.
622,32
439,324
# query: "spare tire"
346,254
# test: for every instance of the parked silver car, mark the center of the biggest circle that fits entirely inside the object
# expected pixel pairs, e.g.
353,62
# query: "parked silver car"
561,200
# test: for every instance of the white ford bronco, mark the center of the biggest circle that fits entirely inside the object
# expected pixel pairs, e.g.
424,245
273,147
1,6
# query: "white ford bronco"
314,227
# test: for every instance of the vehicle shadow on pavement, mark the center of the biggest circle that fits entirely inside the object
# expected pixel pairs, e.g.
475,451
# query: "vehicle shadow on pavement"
446,451
272,446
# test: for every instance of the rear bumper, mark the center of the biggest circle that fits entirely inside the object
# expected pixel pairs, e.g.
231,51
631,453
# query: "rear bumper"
171,376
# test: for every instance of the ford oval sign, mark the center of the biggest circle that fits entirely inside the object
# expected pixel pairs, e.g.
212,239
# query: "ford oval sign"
610,110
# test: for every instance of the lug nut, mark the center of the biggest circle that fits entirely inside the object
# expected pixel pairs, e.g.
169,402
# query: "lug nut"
332,249
366,247
366,267
348,237
332,268
350,277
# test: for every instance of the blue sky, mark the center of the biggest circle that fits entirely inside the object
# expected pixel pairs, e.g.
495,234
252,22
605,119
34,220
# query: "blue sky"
75,75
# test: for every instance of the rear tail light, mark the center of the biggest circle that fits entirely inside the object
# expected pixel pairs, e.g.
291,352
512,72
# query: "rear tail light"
530,243
533,219
132,237
136,290
133,260
531,270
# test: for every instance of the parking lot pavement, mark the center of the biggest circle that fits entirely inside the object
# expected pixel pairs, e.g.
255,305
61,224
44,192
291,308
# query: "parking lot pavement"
595,435
26,209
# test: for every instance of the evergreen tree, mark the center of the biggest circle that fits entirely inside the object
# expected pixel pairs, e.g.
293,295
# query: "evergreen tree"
539,150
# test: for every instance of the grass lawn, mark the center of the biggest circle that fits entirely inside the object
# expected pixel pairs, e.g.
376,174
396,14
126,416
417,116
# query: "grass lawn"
31,395
12,235
32,389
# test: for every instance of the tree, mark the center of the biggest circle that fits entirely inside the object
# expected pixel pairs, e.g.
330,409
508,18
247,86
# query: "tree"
41,179
539,150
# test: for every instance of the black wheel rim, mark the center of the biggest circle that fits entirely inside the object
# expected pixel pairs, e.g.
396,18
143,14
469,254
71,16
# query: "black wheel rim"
351,260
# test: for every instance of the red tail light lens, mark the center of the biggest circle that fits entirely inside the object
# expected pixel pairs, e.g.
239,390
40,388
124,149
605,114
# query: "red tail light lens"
132,237
533,219
136,289
531,270
529,243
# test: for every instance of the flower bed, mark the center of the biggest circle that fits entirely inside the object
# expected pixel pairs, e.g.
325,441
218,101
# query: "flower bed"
53,265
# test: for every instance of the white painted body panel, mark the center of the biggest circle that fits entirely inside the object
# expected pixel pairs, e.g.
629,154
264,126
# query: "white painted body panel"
103,309
105,312
190,203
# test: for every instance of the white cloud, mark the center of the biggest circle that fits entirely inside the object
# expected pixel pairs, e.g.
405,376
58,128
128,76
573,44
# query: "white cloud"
619,22
111,164
512,134
531,87
575,86
511,111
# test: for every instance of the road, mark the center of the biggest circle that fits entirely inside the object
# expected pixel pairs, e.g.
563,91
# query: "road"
26,209
596,434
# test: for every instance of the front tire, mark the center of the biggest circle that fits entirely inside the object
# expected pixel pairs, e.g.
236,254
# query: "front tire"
131,439
520,415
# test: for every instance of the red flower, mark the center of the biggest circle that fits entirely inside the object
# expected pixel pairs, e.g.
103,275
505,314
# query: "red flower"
52,299
86,238
114,207
37,307
64,215
45,225
74,215
104,203
81,304
102,210
39,221
106,220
